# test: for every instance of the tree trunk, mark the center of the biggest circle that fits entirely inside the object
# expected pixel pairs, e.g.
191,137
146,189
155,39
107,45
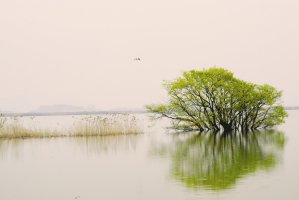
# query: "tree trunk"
226,127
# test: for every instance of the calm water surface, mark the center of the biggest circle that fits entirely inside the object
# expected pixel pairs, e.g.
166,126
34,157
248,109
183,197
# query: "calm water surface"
153,165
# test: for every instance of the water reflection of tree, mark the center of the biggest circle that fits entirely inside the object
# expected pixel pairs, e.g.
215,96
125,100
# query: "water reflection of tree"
218,161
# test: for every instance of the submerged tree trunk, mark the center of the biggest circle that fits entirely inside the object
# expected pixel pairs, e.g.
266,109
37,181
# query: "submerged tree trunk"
226,127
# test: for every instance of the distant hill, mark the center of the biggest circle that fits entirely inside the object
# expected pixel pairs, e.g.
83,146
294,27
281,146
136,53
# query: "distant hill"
63,108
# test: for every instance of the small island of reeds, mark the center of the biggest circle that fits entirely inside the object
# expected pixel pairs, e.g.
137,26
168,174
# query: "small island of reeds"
115,124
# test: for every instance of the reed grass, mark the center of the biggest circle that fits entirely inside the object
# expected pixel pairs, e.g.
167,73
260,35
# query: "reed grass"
118,124
113,125
17,131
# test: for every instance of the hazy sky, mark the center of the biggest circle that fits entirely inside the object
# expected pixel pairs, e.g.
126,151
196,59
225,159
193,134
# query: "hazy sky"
81,52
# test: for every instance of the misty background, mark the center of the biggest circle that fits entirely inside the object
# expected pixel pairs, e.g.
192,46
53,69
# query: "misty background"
81,53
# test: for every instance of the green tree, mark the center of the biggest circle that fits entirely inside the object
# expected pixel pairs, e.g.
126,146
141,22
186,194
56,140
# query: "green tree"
214,100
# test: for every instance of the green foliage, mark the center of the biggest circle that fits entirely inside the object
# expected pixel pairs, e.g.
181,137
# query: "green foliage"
214,99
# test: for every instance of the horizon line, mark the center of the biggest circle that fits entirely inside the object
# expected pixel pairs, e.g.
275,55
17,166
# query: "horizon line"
139,111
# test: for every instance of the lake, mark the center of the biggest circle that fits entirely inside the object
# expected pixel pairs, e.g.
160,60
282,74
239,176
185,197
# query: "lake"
158,164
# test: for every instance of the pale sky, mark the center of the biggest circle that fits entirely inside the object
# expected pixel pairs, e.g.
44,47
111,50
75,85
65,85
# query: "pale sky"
80,52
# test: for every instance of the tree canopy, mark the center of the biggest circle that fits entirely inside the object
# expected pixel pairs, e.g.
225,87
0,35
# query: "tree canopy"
215,100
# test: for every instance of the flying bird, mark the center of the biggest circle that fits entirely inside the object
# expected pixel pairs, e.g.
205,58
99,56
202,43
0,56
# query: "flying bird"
137,59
